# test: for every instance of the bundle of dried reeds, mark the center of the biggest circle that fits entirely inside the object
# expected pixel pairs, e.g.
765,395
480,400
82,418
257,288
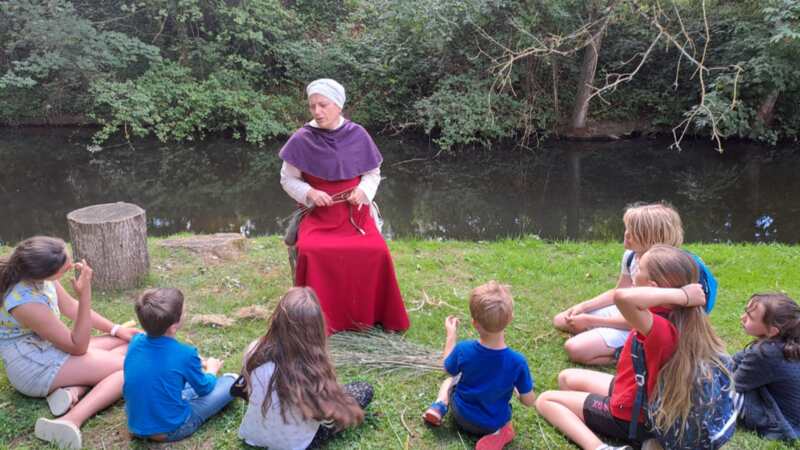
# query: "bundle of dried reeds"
375,350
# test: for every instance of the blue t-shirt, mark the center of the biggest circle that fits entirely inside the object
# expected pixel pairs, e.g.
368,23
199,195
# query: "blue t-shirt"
488,379
156,371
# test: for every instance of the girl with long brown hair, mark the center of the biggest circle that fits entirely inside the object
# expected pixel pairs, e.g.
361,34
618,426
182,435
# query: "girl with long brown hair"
42,356
665,310
767,370
295,401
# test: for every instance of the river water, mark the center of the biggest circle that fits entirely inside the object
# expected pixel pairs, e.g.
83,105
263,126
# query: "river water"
571,190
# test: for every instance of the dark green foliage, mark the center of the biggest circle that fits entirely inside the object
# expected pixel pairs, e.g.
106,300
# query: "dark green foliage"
183,69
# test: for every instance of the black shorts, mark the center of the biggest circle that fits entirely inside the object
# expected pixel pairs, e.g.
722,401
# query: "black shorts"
461,422
597,416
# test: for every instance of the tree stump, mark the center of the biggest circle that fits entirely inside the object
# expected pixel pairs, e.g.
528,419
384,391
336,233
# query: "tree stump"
112,237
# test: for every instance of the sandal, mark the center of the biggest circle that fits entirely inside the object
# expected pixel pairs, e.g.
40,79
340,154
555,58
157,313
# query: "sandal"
59,432
435,413
239,388
60,401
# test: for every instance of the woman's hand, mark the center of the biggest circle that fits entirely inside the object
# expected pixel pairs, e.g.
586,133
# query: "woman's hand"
126,334
319,198
357,197
83,285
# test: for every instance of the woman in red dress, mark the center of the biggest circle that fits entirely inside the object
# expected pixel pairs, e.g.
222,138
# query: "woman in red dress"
332,166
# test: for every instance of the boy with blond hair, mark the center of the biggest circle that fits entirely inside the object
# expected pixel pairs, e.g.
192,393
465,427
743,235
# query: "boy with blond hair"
484,372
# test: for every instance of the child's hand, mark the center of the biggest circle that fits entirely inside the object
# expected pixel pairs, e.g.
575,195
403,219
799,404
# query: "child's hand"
212,365
83,284
695,293
580,321
451,324
573,311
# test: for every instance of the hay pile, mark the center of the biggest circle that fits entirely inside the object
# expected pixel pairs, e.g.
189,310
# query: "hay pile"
377,351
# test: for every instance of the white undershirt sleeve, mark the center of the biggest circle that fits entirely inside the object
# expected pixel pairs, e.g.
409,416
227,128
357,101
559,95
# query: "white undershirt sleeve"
293,183
369,182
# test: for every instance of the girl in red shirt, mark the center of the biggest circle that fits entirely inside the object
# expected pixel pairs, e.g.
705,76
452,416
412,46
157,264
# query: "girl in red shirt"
665,310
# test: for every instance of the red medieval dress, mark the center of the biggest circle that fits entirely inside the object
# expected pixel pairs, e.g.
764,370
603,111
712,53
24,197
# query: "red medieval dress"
342,255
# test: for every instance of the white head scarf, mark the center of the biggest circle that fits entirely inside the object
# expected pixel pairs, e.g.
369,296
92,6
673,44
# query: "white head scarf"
329,88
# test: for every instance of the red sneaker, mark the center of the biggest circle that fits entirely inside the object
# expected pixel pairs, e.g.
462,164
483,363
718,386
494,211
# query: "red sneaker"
498,439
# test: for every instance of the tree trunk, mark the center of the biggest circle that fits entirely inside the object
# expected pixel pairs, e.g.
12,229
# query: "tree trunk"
765,112
588,69
556,106
112,237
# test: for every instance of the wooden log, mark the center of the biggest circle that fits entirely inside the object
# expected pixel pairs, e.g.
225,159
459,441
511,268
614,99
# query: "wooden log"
112,237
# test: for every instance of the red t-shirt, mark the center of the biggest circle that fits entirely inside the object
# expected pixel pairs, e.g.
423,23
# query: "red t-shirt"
659,345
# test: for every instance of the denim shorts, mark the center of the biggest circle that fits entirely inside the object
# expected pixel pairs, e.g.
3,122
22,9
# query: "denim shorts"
31,363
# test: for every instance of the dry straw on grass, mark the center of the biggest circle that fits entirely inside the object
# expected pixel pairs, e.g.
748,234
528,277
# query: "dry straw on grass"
376,351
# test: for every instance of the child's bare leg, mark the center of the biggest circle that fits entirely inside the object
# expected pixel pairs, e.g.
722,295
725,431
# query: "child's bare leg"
99,368
583,380
589,348
444,391
564,410
110,343
436,412
100,397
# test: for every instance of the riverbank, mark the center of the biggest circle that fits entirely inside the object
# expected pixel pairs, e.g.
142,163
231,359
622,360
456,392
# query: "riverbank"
435,278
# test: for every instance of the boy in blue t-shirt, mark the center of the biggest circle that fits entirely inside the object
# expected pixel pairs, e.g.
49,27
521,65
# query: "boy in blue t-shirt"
485,373
167,393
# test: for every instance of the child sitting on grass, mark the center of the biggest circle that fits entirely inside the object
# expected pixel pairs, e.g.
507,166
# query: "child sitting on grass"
666,310
599,329
485,372
167,393
767,371
294,399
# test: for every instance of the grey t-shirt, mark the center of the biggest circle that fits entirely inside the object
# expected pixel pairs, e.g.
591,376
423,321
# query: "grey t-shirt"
271,431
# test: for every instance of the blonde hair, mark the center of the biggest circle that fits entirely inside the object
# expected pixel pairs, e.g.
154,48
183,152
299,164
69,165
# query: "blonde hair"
654,223
492,306
699,348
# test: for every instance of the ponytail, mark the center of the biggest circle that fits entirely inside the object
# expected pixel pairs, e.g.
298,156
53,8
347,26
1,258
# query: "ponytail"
34,258
783,313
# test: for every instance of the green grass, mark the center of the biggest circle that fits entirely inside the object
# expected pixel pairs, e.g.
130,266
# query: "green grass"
546,277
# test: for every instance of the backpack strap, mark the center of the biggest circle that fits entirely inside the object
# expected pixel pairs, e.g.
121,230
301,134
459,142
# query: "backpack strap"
629,261
640,371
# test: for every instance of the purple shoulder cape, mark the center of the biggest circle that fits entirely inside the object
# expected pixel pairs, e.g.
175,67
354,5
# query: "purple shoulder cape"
332,155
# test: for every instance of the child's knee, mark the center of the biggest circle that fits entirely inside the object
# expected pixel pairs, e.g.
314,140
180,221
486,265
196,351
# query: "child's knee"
574,350
563,379
542,400
560,321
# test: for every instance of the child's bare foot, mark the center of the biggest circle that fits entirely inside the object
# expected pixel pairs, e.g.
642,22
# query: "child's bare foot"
62,400
435,414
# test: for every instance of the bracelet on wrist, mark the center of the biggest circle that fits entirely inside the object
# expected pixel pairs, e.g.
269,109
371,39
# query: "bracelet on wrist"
687,296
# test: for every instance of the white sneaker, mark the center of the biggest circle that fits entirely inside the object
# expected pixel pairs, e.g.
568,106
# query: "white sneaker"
59,432
59,401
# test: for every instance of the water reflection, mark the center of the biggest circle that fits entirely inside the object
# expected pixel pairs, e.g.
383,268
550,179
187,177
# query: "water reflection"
568,190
